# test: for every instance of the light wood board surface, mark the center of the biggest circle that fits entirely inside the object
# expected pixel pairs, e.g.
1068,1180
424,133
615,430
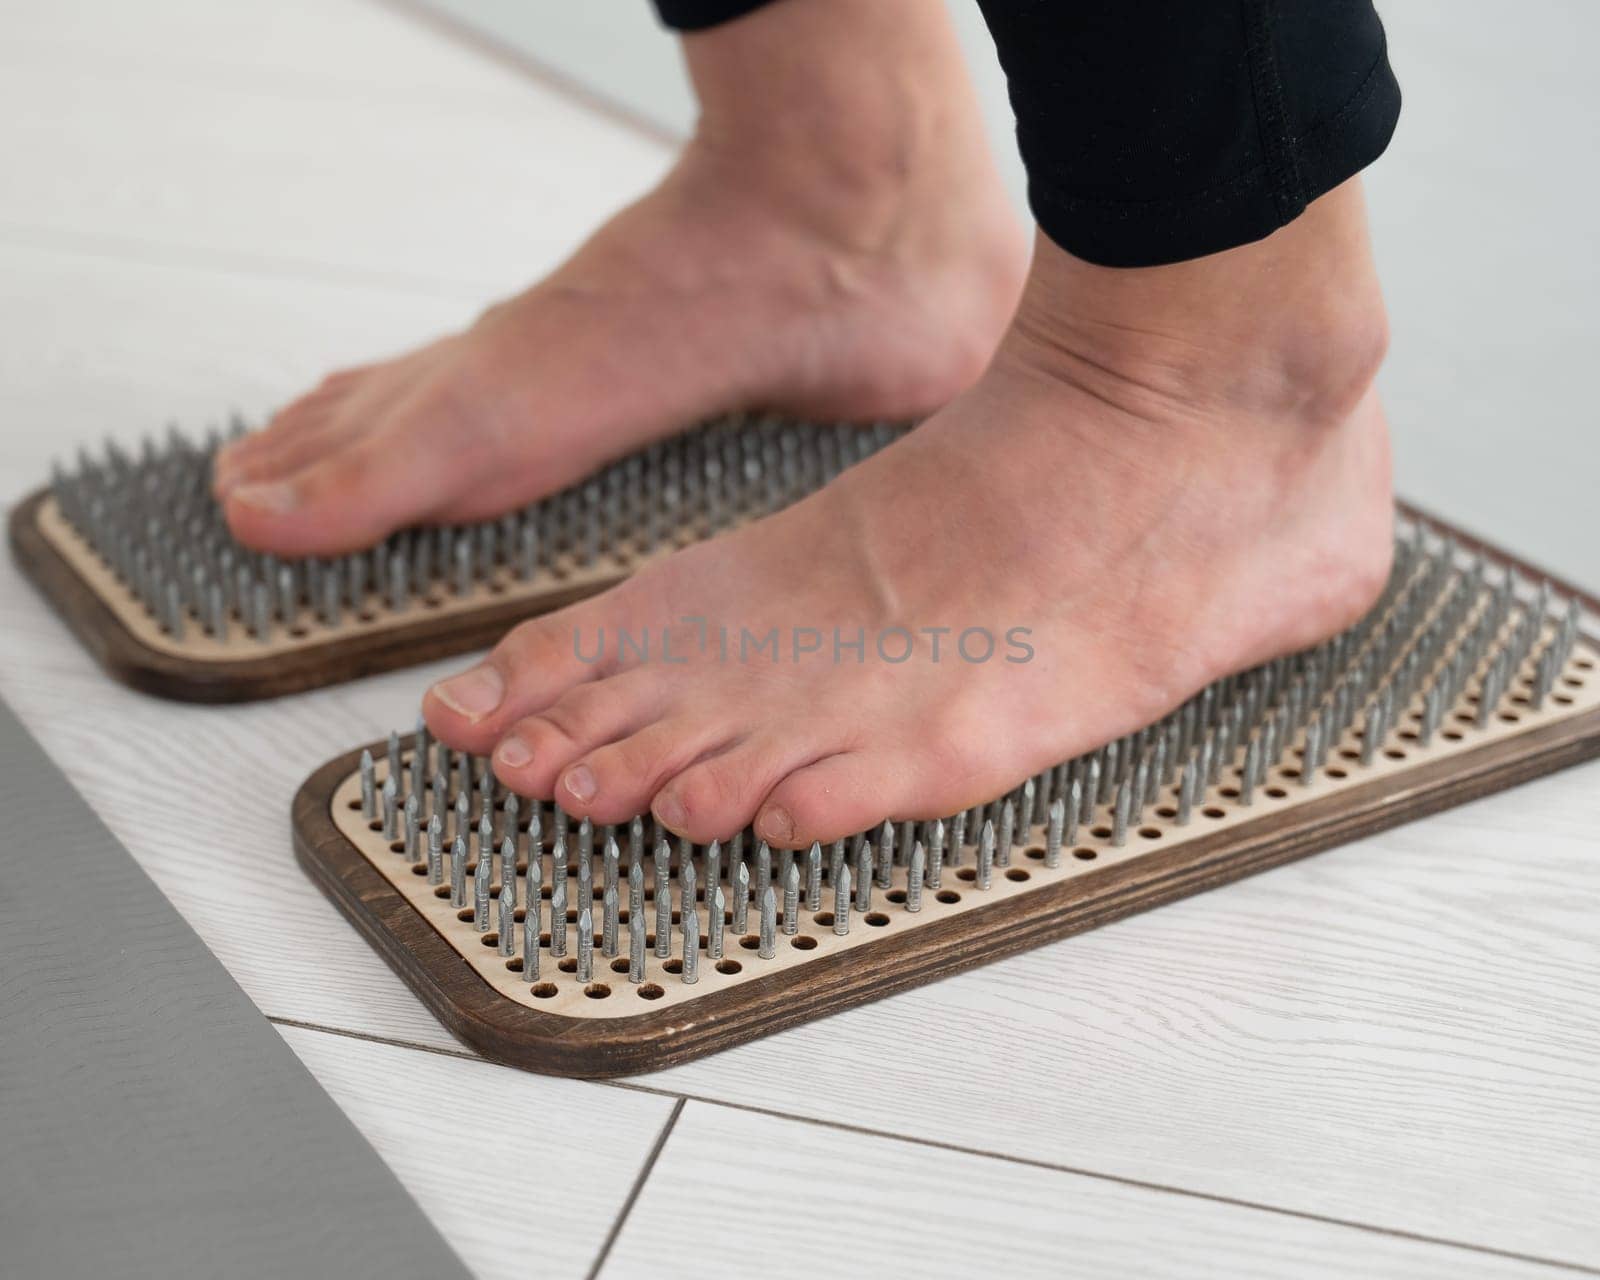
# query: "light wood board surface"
200,211
871,1205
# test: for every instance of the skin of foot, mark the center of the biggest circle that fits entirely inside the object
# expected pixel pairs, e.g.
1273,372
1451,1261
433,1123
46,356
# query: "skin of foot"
833,243
1165,475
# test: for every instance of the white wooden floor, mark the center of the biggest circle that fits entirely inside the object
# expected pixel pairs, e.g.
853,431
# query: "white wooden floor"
1383,1061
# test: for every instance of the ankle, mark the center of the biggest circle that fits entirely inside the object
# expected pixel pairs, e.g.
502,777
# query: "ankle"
1291,329
858,121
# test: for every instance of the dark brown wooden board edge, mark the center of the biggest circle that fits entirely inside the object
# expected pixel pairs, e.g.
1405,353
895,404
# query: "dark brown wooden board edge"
166,675
649,1041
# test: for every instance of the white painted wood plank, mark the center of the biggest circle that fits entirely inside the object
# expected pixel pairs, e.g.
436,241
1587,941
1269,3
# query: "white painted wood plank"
1402,1032
522,1175
199,795
797,1200
276,159
362,48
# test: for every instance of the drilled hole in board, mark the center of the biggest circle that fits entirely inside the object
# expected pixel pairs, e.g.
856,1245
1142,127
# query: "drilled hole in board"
597,991
749,942
356,804
968,874
1450,735
1290,773
876,919
1211,811
824,918
1036,854
896,895
1464,718
1583,664
441,891
803,942
299,633
1277,793
490,939
1335,772
1562,699
1150,833
1409,735
466,913
1085,855
419,868
1348,754
543,990
567,964
1018,874
1103,833
375,825
673,965
1166,811
649,991
619,965
729,966
1231,793
1394,753
514,964
947,896
1510,717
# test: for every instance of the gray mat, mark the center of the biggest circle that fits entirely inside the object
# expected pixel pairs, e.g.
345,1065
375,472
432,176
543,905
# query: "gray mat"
152,1123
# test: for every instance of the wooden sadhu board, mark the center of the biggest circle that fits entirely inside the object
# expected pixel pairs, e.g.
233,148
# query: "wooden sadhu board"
1467,647
115,543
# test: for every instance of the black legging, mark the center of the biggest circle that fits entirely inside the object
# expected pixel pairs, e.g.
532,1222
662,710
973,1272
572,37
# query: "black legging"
1159,130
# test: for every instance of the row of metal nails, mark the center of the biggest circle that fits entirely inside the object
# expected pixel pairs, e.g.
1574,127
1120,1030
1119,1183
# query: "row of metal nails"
153,520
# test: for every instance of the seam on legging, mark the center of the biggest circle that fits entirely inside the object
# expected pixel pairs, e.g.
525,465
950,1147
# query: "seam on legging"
1272,119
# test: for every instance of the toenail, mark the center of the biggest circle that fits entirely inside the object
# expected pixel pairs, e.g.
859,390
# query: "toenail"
513,753
580,782
473,694
775,825
277,497
669,811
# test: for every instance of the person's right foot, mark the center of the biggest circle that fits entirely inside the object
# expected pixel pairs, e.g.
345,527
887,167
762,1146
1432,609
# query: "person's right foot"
1164,476
831,245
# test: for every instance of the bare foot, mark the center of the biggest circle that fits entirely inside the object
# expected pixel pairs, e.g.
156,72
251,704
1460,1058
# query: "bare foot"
1165,476
834,243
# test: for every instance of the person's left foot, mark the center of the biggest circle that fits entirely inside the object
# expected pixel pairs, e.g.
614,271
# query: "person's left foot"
1165,476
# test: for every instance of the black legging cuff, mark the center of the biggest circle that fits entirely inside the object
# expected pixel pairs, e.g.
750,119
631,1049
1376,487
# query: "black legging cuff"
697,15
1236,211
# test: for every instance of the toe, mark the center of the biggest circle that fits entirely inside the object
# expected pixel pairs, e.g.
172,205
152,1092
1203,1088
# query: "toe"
835,797
260,452
348,500
277,453
719,795
617,781
538,750
528,671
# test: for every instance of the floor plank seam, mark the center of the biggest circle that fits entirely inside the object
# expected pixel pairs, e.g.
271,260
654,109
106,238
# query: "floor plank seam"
638,1186
958,1149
